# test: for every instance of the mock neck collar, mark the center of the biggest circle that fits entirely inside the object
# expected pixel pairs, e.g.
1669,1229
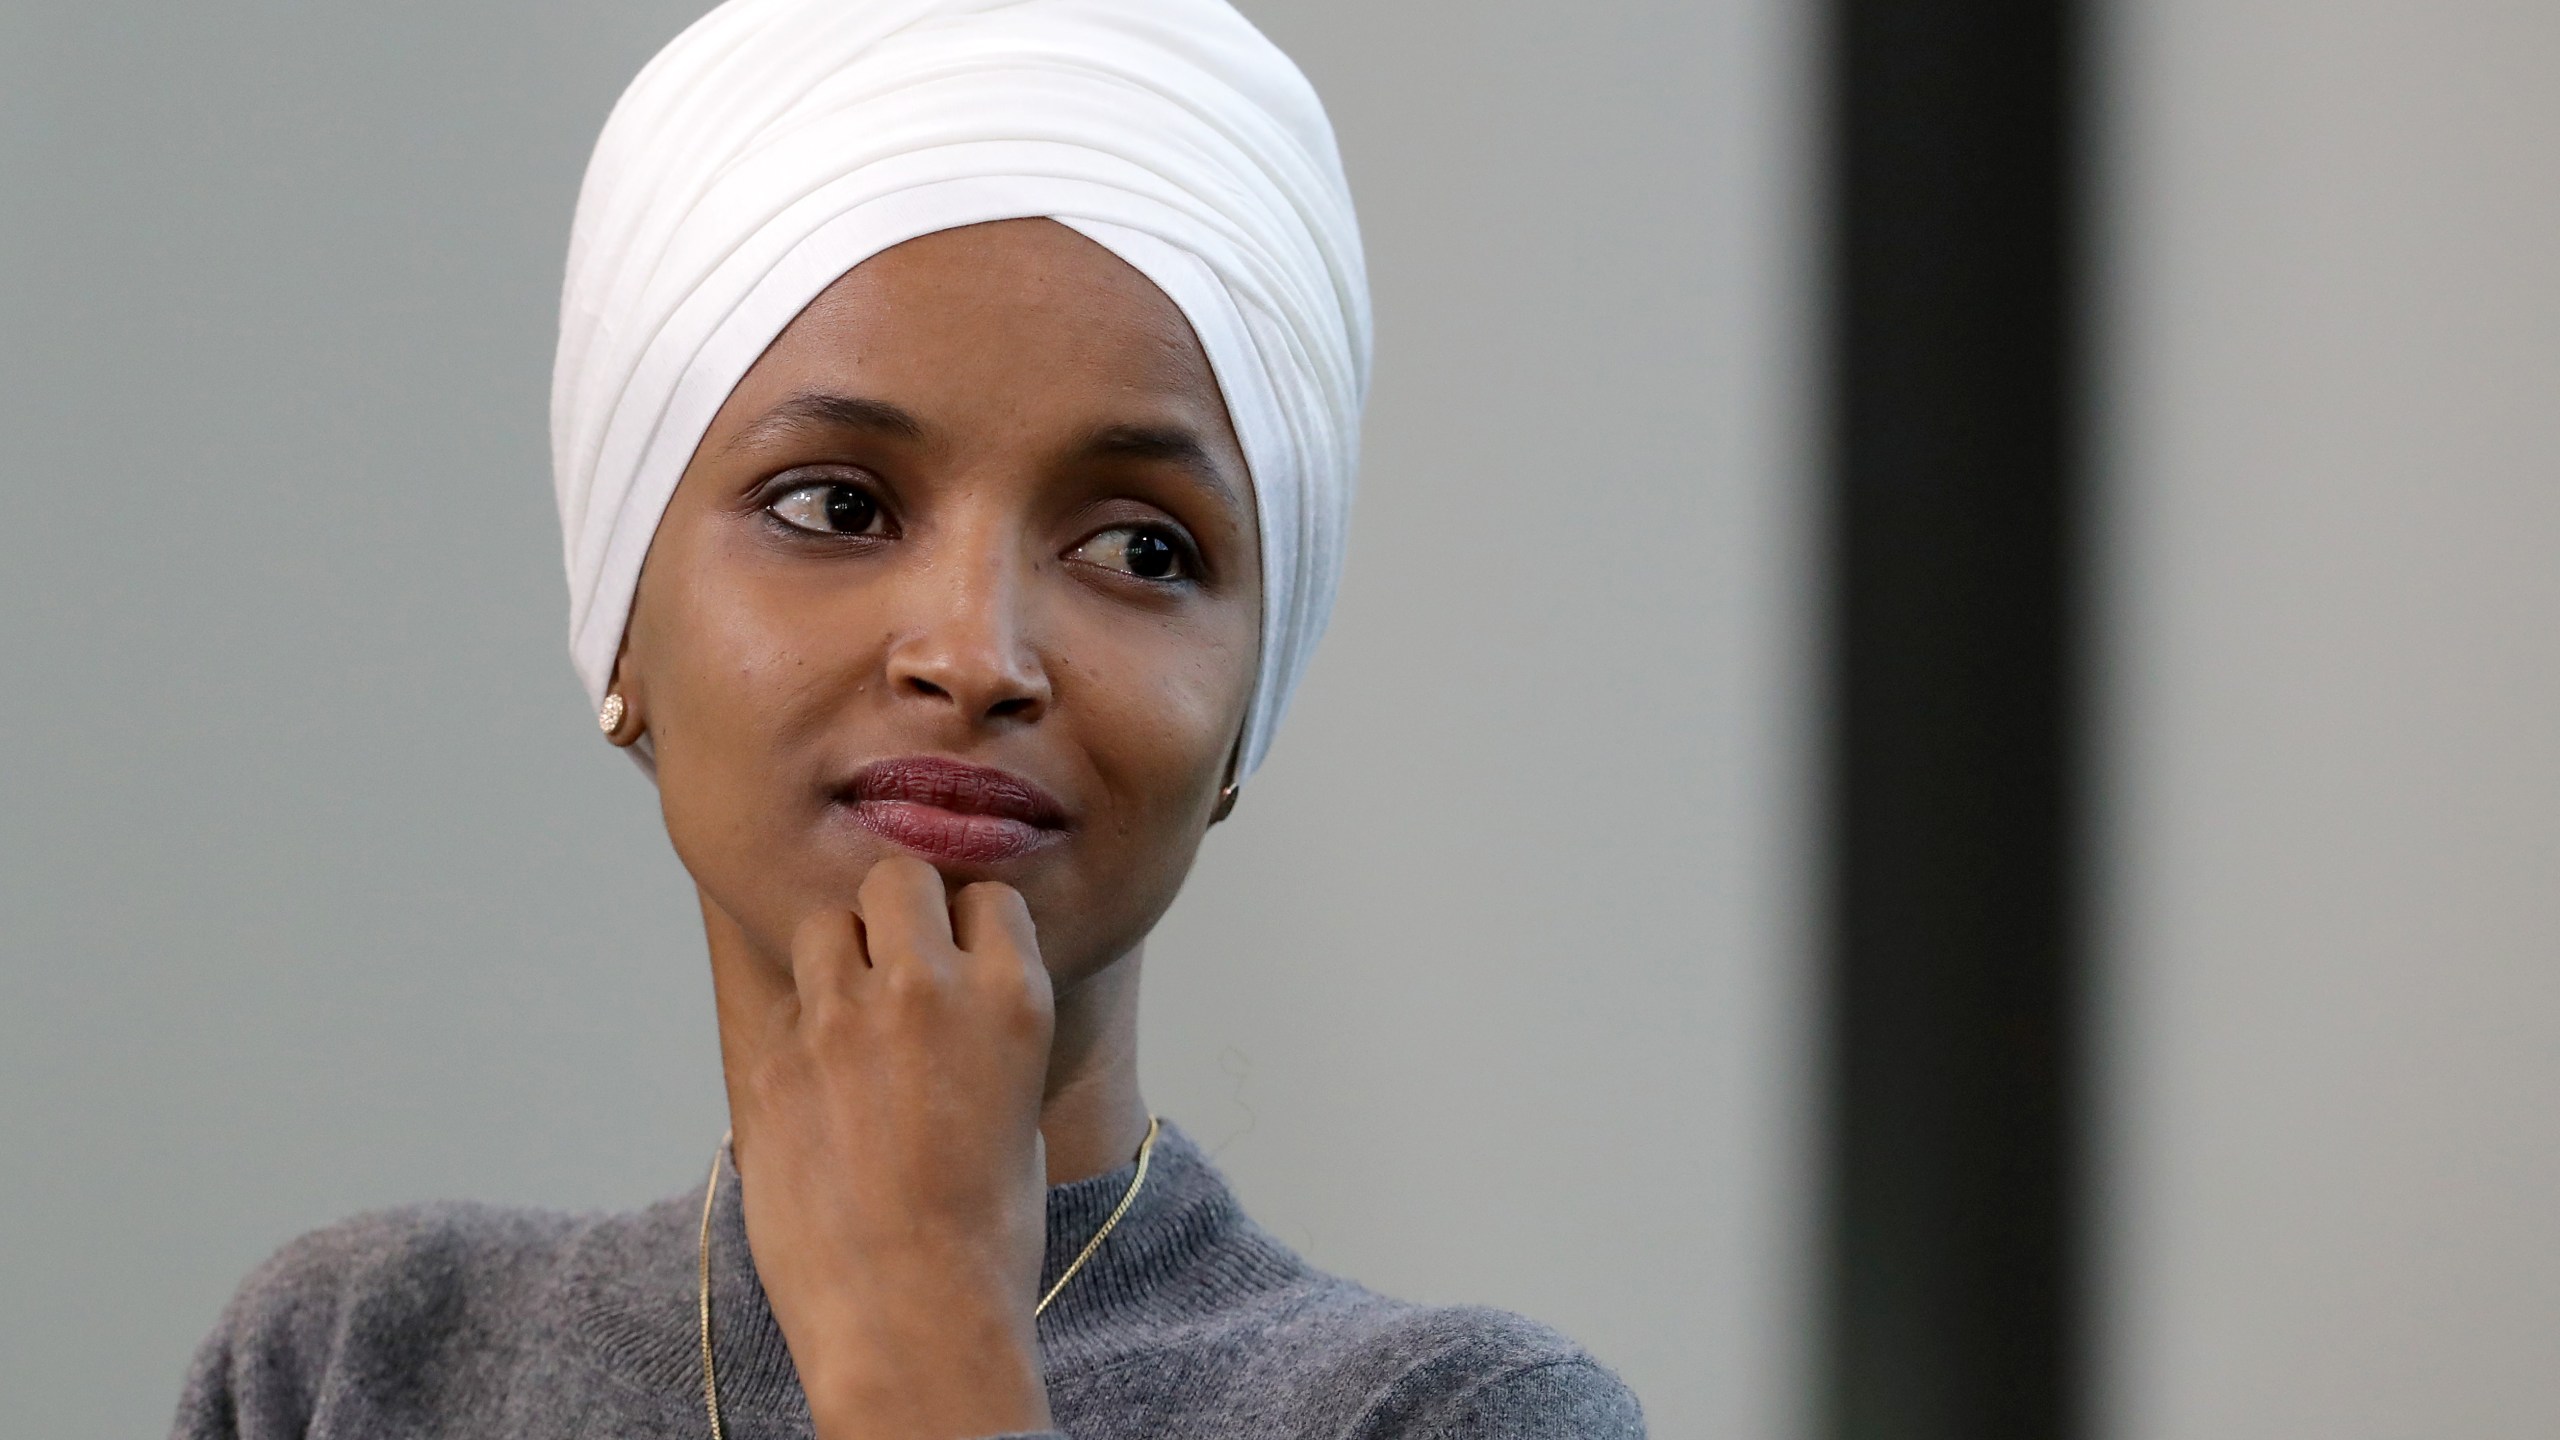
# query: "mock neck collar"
1149,1265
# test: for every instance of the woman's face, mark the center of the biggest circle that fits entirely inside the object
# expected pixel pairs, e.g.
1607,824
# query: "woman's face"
965,566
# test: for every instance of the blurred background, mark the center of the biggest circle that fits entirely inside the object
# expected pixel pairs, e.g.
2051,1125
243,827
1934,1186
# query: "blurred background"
1976,582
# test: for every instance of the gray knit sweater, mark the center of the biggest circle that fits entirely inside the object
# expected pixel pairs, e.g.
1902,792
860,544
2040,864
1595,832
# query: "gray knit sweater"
1191,1323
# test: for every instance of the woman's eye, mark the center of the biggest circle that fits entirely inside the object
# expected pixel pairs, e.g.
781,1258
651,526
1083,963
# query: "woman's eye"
1141,550
828,509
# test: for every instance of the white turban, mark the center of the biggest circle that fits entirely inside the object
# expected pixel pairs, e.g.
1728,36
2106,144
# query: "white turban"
776,144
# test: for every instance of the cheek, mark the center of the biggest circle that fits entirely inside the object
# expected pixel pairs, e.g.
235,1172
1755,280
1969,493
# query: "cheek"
741,679
1160,705
1153,710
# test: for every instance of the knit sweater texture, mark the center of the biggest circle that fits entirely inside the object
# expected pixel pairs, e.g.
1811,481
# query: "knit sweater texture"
1190,1323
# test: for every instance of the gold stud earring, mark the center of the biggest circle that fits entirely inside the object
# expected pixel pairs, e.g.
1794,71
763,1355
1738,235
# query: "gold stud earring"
1226,802
609,719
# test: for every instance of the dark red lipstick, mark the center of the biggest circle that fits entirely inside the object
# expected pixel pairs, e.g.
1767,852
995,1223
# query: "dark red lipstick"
954,813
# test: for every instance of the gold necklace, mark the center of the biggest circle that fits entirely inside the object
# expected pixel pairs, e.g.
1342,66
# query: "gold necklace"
711,1191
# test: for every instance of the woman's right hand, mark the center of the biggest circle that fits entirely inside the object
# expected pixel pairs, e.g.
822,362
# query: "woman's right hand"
886,1102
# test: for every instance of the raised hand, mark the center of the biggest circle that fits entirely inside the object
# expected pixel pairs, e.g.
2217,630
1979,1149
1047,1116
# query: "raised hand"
886,1102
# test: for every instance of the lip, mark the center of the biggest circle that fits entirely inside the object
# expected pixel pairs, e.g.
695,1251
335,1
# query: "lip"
953,812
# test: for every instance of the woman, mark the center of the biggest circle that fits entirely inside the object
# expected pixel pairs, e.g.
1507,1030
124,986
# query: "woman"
954,425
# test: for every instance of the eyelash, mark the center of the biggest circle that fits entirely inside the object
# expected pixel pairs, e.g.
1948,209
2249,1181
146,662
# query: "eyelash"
1186,551
799,482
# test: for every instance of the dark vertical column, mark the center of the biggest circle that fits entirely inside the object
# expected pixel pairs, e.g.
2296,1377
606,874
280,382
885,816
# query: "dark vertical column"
1952,1300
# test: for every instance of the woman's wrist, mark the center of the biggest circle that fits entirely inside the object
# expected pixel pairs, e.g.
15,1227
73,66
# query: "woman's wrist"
927,1360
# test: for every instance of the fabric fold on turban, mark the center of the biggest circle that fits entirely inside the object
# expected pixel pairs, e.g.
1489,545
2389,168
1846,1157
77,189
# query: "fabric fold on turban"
776,144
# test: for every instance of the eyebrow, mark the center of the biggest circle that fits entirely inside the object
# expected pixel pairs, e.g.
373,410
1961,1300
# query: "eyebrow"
1168,444
815,410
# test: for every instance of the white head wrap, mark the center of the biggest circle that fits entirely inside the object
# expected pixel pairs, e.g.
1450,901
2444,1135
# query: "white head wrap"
778,143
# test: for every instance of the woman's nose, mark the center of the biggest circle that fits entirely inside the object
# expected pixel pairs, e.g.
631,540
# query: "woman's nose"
966,642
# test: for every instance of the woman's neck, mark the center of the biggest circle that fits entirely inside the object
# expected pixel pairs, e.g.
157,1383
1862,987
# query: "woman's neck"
1092,1117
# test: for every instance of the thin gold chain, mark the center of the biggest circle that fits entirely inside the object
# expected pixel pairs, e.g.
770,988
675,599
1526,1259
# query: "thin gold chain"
1146,1151
711,1191
710,1382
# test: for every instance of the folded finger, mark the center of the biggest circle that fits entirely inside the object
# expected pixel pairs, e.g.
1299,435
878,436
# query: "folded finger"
828,953
990,916
906,915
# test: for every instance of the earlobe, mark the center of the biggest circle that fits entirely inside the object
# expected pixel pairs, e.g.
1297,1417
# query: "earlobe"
1234,787
618,721
618,717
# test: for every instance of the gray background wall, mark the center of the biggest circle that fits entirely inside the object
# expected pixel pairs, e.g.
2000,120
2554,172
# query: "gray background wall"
317,891
2331,1175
